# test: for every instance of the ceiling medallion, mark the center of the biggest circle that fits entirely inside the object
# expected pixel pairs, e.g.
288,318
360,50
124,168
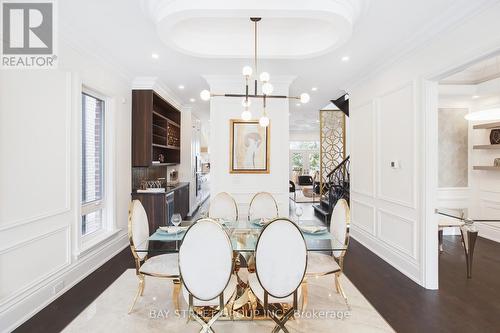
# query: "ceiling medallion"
266,88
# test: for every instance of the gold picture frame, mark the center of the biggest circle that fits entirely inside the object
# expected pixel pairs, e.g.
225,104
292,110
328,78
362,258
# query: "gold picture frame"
242,134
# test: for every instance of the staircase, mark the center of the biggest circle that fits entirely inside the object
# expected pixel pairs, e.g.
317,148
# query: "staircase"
336,188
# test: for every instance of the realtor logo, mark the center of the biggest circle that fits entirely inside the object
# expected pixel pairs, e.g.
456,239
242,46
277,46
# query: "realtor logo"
28,34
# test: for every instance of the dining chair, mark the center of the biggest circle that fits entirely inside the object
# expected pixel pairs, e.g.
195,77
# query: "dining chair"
320,264
206,269
280,267
223,206
160,266
263,205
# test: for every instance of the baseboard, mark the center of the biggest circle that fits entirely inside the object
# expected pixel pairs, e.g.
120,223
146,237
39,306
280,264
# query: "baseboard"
13,317
488,232
405,265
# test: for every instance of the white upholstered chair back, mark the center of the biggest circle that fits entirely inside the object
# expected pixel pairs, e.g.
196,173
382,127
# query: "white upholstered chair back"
263,205
205,259
138,229
280,258
223,206
339,224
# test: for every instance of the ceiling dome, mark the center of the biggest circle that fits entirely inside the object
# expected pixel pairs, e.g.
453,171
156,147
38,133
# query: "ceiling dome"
222,28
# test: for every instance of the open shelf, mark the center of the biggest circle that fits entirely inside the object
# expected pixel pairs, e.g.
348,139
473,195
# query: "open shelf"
156,131
486,167
486,146
487,125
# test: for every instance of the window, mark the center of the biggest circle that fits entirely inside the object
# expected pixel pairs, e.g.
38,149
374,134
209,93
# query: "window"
92,159
297,162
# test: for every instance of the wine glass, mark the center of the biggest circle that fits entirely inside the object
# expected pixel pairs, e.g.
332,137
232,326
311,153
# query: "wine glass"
298,212
176,219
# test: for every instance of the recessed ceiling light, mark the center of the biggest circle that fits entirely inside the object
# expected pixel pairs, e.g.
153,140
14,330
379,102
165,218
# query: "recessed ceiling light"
317,120
192,100
475,96
154,55
298,104
314,88
181,87
345,58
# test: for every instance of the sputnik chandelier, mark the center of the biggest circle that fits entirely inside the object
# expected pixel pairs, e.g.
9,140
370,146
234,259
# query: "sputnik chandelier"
266,88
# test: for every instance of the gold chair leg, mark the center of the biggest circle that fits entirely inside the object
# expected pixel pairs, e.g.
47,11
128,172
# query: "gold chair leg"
140,291
304,294
175,293
340,289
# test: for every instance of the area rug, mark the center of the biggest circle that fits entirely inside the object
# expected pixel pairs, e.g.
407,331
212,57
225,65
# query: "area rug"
301,198
154,312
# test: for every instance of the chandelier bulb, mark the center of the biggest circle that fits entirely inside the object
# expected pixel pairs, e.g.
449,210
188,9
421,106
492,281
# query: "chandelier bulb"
264,77
267,88
247,71
246,115
264,121
246,102
205,95
304,98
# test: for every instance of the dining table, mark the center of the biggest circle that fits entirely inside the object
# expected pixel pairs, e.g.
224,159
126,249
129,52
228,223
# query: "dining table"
243,235
467,223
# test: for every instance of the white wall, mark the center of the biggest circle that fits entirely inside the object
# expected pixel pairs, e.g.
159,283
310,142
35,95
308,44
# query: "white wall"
244,186
40,256
394,117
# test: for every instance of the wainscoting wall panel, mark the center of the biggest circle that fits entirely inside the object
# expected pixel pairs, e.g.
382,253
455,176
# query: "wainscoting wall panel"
398,232
384,196
43,256
363,216
396,144
362,150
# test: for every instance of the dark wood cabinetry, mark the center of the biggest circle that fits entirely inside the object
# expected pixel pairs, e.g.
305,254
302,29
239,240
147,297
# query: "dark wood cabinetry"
156,205
156,132
181,196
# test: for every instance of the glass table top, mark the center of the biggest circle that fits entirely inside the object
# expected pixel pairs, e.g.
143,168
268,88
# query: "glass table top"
463,215
243,235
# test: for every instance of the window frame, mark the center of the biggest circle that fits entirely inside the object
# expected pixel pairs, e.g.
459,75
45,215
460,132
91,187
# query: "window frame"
101,203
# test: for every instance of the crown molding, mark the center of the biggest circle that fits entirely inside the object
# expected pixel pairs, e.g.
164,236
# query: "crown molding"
446,21
88,50
152,82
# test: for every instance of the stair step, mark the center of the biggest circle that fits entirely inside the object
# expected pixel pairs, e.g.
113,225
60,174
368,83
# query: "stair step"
322,213
325,204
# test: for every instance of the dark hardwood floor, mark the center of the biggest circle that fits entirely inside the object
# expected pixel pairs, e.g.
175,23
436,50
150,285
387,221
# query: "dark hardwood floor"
461,305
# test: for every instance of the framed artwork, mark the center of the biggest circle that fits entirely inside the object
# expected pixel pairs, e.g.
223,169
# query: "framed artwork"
249,147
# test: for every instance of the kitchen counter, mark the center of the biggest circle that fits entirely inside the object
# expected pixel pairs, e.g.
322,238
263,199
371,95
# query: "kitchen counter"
169,189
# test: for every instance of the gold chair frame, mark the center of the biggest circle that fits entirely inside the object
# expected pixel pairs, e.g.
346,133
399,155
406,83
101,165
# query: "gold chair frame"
338,286
257,194
234,202
280,322
206,325
141,276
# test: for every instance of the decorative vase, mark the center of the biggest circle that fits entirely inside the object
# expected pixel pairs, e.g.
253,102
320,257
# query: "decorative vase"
496,162
495,136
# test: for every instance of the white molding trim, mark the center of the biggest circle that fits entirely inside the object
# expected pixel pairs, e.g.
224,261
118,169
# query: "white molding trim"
394,258
373,109
488,231
411,254
440,24
413,202
67,170
14,316
17,295
152,82
372,232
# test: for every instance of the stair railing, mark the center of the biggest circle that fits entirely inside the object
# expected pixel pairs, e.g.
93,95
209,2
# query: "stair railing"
339,183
